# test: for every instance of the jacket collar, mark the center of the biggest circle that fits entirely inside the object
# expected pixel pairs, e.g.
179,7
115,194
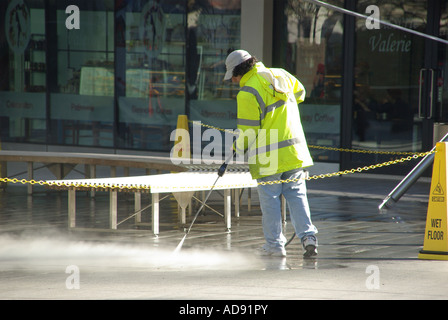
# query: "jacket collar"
250,73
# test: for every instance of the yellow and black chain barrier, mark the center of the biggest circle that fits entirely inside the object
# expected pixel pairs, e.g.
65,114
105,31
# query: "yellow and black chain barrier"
360,169
325,148
62,184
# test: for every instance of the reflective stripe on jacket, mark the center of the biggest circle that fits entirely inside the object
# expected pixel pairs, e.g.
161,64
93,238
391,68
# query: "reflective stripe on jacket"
269,123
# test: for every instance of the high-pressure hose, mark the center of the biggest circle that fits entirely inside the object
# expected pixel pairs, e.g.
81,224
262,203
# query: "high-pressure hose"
289,241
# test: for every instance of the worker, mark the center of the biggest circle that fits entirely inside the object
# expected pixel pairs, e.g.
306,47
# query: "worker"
272,137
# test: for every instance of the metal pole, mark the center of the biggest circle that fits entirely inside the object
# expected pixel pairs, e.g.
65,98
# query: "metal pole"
409,180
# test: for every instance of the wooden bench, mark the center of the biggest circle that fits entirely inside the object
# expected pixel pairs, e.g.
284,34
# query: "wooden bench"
62,163
182,185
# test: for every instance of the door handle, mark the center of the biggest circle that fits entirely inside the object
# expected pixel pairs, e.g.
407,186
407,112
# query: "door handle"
431,94
429,98
420,88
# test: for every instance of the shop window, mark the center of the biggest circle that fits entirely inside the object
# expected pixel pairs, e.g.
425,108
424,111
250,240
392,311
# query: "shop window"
121,78
388,64
311,48
82,103
152,92
23,68
213,31
174,53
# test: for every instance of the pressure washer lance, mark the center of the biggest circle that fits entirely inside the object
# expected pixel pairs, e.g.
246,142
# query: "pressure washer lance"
221,172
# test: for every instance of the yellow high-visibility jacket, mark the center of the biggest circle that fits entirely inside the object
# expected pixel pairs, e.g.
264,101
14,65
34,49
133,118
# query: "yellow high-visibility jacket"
268,121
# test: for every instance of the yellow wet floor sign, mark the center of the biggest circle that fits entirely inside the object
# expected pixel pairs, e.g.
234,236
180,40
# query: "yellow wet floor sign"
435,246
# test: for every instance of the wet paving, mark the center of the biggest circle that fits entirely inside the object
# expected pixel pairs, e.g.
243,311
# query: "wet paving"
37,247
355,225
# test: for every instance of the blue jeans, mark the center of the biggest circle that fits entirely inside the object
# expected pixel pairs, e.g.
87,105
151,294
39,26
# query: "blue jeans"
296,198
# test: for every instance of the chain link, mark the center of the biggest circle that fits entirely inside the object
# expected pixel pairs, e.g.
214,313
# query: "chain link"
360,169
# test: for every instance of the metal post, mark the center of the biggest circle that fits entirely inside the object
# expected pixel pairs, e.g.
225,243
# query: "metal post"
237,193
71,208
409,180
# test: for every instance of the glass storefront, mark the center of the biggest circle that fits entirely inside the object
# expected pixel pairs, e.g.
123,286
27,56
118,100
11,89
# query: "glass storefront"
23,68
119,79
117,73
82,99
152,91
380,89
310,47
387,69
398,92
441,111
174,65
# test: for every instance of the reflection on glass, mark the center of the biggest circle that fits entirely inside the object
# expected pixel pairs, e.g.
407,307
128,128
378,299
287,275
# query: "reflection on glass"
82,106
153,92
441,114
387,68
175,53
312,51
213,31
23,66
122,78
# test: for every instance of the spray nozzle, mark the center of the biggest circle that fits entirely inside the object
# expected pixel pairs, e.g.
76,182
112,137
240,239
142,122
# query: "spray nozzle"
222,169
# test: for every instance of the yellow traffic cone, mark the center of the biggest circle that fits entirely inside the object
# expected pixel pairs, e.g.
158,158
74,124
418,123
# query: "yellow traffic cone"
435,246
181,147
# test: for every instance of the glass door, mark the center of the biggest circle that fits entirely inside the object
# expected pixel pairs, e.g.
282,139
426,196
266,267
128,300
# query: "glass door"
440,71
392,108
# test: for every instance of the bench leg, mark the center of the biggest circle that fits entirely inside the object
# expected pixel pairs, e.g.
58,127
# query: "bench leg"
155,214
237,202
228,208
138,206
113,209
72,208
